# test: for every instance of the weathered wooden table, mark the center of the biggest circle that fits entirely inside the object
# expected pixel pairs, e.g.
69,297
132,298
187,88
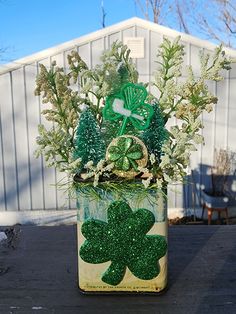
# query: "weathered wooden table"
41,277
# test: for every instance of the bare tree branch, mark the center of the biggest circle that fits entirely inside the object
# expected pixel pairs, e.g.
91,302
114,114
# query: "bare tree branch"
212,19
155,6
229,28
143,8
182,21
103,15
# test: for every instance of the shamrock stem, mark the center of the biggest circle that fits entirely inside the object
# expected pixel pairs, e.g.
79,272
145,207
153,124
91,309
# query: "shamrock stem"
122,129
114,274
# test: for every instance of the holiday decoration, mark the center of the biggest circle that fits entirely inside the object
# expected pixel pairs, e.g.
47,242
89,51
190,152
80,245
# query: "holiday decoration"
123,72
128,153
129,105
156,135
123,241
89,145
121,142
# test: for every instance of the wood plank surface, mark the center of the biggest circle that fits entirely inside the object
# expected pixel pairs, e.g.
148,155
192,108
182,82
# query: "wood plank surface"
41,276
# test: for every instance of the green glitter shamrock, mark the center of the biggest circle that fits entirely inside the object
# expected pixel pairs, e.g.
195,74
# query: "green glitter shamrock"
129,105
123,241
125,153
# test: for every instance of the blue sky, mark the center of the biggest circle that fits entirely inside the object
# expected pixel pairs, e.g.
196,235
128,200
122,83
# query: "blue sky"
28,26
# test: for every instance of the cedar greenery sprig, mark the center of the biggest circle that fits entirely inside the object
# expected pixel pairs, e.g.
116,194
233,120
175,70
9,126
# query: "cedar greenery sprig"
57,88
116,68
186,100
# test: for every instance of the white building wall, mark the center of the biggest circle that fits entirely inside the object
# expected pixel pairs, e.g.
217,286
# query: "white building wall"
25,183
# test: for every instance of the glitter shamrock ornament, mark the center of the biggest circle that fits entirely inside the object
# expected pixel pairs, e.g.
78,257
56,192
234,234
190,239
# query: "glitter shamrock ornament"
123,241
128,154
129,105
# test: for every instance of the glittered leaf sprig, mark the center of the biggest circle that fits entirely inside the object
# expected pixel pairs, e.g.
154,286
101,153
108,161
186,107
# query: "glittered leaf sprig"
129,106
123,241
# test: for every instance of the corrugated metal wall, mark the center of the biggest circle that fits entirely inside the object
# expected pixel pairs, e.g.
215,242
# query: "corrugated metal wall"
26,184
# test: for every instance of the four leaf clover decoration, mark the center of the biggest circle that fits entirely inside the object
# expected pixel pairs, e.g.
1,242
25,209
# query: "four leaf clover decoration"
125,153
123,241
129,105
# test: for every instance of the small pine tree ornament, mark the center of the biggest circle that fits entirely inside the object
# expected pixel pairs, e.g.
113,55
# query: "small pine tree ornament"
89,145
123,73
156,134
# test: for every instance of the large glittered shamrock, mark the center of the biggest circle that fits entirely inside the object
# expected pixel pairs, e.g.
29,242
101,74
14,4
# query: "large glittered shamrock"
123,241
125,153
129,105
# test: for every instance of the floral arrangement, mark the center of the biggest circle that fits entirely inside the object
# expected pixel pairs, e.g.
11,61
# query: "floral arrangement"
115,140
108,127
